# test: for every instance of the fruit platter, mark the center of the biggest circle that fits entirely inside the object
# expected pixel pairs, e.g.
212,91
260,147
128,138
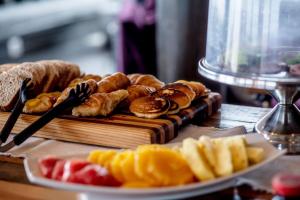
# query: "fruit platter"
180,170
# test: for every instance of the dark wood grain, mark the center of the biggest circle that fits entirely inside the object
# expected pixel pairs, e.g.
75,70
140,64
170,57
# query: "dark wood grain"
119,130
12,170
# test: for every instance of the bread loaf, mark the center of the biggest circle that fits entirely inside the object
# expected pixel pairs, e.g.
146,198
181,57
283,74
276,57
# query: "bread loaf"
45,77
59,74
5,67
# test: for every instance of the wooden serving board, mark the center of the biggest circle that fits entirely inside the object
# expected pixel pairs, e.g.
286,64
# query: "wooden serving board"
120,130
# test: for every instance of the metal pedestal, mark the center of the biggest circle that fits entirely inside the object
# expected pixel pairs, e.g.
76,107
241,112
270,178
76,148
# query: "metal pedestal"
281,126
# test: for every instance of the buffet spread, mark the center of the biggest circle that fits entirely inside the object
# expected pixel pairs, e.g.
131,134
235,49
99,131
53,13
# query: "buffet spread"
130,111
121,110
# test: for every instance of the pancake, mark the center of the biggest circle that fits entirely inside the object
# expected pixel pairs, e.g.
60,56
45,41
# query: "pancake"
177,96
183,88
149,107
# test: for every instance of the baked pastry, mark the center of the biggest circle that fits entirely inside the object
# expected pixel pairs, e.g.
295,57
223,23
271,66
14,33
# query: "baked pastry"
146,79
113,82
42,103
183,88
149,107
198,87
100,104
75,81
177,96
136,91
46,76
92,84
133,77
92,76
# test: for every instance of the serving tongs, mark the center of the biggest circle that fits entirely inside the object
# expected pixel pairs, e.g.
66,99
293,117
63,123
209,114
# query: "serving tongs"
76,96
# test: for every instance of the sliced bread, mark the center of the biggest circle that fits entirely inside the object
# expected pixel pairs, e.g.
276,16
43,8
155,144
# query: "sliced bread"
6,67
46,76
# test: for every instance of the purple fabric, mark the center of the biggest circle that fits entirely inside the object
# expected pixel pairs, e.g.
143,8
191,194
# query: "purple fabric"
298,103
274,102
140,14
137,49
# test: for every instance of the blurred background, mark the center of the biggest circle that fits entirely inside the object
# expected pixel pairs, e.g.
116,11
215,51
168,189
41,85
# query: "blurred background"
163,37
75,30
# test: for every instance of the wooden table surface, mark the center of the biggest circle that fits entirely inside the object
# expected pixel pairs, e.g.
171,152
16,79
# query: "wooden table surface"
15,185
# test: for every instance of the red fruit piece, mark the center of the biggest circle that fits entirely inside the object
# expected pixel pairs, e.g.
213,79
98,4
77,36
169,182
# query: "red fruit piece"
47,164
58,170
95,175
286,184
72,166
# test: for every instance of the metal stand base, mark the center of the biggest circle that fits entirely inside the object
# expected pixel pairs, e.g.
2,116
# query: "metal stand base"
282,125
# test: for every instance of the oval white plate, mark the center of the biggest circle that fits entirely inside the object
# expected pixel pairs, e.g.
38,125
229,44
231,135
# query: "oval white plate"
96,192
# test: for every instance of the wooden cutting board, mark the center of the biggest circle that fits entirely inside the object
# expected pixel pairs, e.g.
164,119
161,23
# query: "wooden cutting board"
120,130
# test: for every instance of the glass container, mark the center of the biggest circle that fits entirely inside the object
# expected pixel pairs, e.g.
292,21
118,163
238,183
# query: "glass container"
256,44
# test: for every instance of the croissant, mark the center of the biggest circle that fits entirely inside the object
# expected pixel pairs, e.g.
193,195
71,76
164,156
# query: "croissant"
113,82
146,79
92,76
75,81
100,104
133,77
64,95
136,91
42,103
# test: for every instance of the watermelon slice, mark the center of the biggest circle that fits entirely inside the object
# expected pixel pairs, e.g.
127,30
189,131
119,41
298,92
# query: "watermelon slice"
95,175
72,166
47,164
58,170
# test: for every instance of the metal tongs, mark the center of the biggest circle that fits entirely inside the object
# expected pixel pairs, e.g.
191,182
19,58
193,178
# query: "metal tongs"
76,96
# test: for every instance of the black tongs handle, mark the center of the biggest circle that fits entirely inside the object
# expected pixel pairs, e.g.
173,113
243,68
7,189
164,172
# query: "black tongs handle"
6,130
42,121
75,98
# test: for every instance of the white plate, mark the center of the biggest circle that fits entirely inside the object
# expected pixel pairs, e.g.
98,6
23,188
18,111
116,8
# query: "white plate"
96,192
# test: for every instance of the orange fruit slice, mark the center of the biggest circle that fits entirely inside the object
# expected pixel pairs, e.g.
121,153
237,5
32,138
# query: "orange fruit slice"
93,156
161,166
116,166
105,158
128,169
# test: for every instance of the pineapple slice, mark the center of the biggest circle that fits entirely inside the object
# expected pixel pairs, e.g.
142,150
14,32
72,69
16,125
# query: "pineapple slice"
224,166
196,160
255,154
